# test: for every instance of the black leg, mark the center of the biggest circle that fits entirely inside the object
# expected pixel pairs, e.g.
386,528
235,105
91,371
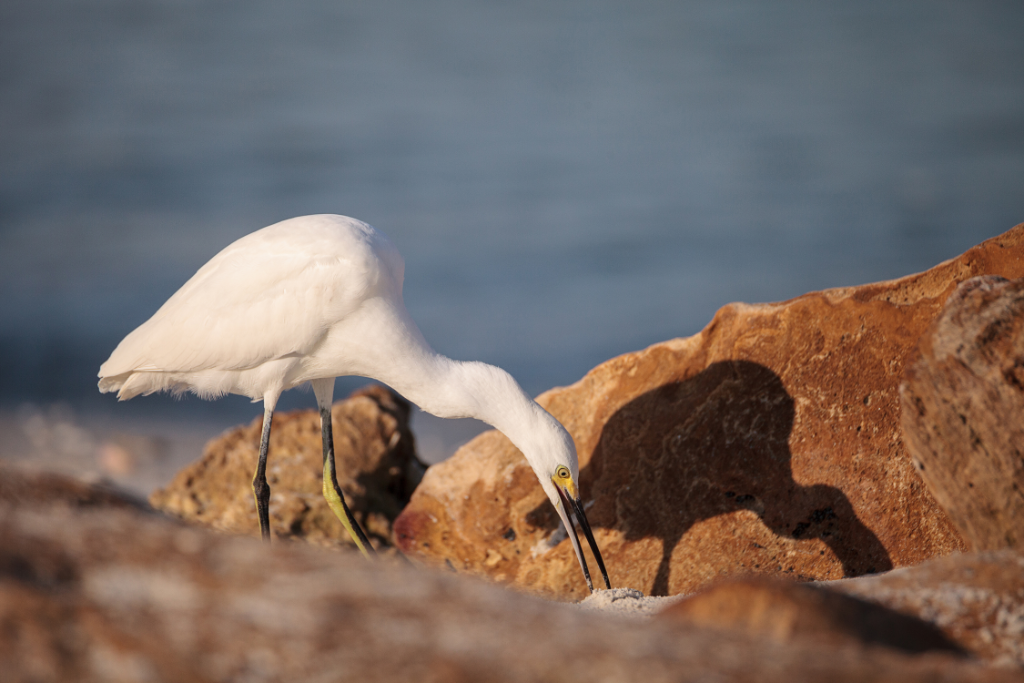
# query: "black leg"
332,492
260,487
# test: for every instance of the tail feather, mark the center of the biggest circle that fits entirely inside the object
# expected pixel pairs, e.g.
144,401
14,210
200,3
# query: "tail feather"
109,385
207,385
127,385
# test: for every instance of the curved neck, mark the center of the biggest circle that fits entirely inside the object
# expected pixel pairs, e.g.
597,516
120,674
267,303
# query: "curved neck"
452,389
401,358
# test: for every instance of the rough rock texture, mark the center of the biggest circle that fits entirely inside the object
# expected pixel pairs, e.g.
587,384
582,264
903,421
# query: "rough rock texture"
96,594
377,470
768,443
784,611
976,599
963,403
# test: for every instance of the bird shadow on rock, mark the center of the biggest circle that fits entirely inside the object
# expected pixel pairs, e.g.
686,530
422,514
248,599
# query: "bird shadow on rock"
710,445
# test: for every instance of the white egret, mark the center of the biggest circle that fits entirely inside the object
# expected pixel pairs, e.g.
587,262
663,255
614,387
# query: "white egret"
314,298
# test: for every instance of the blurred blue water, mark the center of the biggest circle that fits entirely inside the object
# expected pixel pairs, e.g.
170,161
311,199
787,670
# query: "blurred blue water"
567,181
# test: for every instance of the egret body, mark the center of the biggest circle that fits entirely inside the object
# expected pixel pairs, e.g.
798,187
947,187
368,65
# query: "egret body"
314,298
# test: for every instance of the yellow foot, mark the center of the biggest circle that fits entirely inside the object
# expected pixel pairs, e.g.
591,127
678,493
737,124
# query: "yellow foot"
340,510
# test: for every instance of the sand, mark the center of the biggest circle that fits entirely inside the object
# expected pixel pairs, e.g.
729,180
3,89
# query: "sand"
627,602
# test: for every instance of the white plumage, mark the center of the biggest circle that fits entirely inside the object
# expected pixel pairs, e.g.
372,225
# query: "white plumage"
314,298
273,296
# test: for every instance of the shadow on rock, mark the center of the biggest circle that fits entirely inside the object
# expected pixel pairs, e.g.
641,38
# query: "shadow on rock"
715,444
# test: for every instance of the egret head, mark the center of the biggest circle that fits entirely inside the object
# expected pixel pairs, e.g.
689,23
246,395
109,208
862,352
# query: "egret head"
558,471
492,395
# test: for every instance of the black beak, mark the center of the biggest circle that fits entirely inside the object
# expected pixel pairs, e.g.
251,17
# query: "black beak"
574,508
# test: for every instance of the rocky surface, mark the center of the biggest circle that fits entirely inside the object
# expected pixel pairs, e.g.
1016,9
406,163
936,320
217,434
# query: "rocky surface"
977,600
377,470
784,611
971,604
769,443
963,399
96,593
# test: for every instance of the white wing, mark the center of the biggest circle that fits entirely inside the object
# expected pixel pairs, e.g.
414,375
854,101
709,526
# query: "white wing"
271,294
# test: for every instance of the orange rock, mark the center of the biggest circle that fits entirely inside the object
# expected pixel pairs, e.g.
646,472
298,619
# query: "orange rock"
963,400
377,470
769,443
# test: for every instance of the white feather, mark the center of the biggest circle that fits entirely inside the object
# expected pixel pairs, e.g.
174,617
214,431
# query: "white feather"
314,298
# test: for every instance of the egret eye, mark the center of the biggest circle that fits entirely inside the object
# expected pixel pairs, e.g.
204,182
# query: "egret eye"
563,472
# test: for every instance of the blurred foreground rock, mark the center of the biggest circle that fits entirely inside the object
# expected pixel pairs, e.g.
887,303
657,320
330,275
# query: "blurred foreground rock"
971,603
93,593
977,600
22,485
963,403
377,470
769,443
783,611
